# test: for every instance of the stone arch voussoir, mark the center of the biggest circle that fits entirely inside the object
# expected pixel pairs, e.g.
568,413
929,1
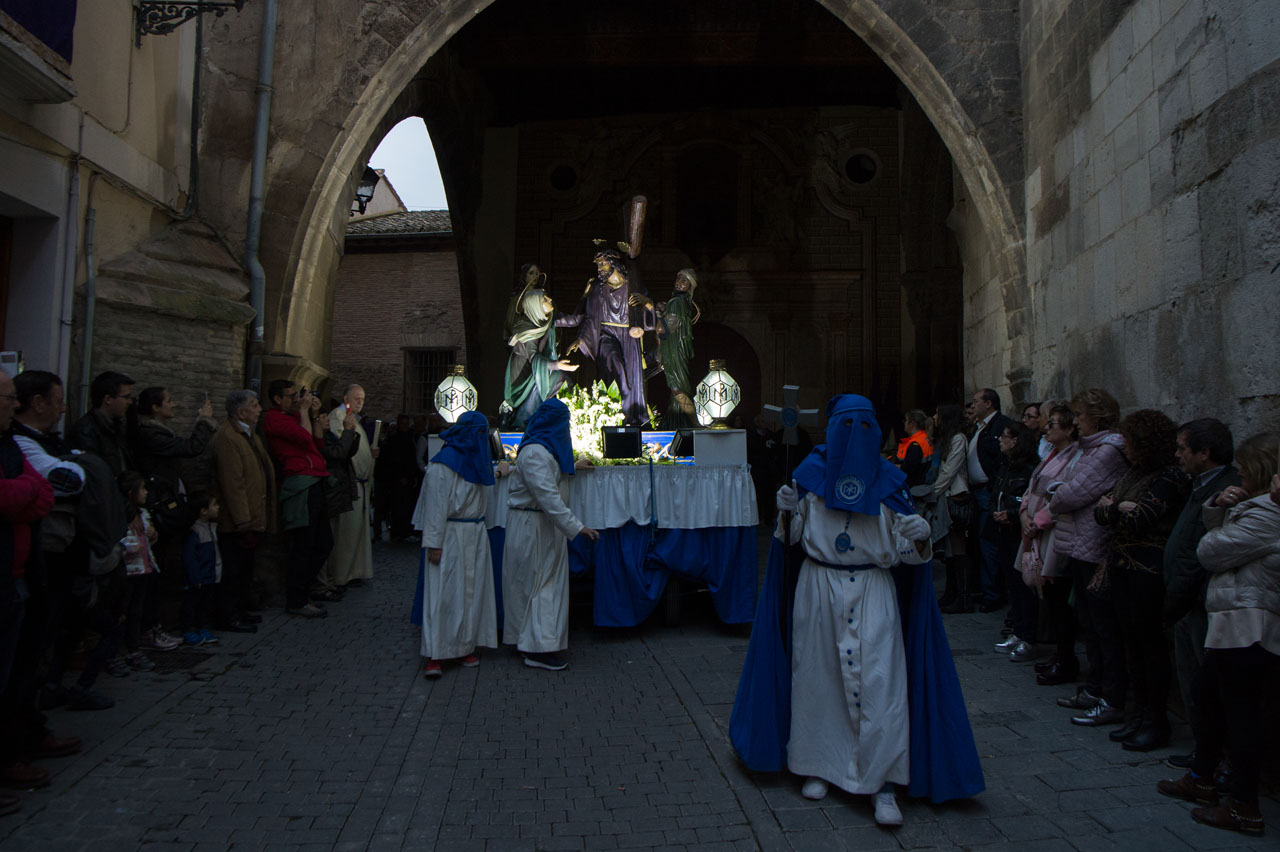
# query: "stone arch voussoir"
978,121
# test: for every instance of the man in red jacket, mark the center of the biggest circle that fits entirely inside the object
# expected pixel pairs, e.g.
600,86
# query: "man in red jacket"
25,497
295,441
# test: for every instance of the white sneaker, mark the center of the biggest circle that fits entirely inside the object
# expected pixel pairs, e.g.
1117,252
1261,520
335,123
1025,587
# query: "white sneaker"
814,788
887,812
1007,645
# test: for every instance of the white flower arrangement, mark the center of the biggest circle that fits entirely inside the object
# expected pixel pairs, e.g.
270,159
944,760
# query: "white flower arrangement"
590,408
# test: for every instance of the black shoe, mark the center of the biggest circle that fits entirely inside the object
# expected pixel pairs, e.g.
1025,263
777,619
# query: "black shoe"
547,661
1180,761
1082,700
990,606
1059,673
250,618
1098,715
957,606
1147,738
238,627
1044,665
1126,730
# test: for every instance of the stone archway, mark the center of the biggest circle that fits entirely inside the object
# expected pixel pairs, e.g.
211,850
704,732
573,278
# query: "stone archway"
968,88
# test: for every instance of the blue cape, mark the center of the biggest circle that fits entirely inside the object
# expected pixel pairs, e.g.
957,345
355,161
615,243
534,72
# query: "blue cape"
549,426
848,472
466,449
944,758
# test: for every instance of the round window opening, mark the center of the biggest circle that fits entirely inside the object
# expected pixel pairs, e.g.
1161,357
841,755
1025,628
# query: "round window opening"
563,177
861,168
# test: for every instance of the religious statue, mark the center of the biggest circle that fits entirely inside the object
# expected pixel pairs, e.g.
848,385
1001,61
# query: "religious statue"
675,350
614,317
535,370
530,277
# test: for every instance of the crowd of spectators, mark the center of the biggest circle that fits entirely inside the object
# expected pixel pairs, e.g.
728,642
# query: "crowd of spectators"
129,539
1155,545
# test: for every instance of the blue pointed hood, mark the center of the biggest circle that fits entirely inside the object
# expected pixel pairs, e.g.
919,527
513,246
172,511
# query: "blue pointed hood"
848,471
466,449
549,426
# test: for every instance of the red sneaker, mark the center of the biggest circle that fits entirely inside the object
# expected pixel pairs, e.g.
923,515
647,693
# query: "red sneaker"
432,669
470,661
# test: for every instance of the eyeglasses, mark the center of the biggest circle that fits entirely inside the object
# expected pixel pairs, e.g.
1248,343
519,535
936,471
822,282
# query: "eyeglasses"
1050,423
1029,416
12,397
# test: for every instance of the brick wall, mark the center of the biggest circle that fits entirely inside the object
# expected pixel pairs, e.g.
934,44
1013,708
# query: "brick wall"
384,302
189,357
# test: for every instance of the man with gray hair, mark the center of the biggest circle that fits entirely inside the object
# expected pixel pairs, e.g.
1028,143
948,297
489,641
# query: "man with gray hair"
244,484
351,561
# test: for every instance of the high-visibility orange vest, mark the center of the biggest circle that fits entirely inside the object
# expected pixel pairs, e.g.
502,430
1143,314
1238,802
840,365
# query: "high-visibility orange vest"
920,439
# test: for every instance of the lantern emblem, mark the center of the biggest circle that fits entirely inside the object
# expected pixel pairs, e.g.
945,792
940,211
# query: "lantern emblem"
717,395
455,395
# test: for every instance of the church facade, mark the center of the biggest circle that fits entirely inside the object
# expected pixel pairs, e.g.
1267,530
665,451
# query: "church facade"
907,198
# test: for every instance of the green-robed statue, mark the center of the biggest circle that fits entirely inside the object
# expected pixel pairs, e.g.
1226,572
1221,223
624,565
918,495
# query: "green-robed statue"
535,370
675,349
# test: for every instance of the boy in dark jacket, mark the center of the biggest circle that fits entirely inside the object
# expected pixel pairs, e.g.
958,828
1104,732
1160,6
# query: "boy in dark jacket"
202,567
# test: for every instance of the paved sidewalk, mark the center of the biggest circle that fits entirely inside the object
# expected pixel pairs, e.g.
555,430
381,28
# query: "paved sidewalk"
324,735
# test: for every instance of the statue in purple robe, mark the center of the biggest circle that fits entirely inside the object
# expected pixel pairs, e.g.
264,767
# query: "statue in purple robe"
615,315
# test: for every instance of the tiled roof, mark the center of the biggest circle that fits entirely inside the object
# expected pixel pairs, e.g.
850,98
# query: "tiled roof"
412,222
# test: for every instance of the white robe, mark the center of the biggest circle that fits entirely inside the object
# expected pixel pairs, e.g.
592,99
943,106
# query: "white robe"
535,562
352,556
849,719
458,610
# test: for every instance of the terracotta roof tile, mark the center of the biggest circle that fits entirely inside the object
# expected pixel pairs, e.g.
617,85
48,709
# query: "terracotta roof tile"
412,222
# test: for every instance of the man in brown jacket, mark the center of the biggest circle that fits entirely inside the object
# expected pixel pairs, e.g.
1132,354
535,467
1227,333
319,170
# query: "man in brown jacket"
244,483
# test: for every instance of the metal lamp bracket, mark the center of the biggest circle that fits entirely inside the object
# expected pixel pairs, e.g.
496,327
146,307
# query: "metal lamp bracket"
159,17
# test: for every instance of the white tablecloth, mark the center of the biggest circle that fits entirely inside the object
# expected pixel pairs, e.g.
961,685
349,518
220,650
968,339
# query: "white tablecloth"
685,497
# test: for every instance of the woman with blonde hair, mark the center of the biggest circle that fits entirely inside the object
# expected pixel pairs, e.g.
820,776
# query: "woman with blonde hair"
1241,552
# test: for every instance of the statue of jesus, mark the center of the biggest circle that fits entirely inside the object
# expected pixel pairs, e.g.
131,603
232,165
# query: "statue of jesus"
614,319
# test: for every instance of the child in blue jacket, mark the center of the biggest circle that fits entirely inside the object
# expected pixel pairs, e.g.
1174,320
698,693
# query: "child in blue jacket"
202,565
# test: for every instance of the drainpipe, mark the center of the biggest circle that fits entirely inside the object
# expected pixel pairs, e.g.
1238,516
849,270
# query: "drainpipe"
193,160
90,299
253,231
70,238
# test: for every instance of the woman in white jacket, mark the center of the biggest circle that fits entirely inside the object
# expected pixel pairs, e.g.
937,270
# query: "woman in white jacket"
1241,552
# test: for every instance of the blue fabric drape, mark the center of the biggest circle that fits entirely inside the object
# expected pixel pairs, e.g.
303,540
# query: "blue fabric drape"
631,565
944,758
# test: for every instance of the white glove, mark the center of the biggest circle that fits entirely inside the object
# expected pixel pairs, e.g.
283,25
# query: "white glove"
787,500
912,528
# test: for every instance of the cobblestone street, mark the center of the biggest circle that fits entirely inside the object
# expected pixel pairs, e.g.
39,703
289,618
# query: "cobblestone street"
324,735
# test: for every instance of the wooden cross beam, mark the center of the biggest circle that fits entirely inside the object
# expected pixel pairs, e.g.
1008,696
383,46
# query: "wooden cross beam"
790,415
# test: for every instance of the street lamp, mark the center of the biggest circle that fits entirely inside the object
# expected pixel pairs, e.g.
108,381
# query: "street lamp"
716,397
364,189
455,395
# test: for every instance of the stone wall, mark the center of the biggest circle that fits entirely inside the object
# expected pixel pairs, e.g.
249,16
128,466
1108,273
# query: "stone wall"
1152,221
386,302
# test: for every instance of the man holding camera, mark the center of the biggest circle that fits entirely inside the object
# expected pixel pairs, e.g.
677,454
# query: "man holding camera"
295,442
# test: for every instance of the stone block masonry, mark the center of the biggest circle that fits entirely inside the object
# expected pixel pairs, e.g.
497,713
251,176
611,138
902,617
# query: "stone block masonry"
1176,170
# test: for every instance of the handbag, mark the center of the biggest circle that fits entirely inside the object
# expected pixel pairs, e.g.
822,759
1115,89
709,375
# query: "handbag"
962,508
